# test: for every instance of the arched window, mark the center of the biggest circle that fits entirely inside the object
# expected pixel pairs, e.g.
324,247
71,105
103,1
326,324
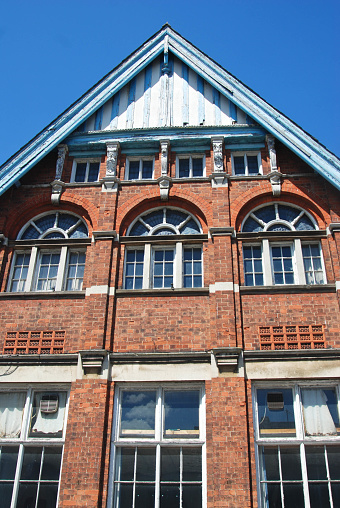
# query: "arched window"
166,263
282,256
48,264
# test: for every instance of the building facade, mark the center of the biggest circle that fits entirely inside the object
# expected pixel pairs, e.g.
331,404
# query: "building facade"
170,283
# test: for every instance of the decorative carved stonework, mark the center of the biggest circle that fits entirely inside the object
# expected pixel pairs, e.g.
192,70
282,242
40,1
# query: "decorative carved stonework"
272,153
217,144
57,188
62,151
219,179
275,180
110,184
164,187
164,156
112,158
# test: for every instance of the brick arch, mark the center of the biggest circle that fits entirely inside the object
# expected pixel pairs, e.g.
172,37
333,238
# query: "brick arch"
42,203
257,197
178,199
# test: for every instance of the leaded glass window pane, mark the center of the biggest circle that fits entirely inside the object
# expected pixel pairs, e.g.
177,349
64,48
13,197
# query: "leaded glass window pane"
20,272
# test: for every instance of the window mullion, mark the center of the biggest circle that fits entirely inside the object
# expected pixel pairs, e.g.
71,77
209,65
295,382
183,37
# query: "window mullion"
300,269
30,271
17,476
267,272
158,476
147,266
328,477
61,269
304,475
178,265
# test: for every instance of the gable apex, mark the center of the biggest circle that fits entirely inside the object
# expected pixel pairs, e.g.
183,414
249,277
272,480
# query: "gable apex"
162,44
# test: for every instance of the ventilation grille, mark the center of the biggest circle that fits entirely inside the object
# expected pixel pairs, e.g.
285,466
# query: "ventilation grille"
292,337
34,343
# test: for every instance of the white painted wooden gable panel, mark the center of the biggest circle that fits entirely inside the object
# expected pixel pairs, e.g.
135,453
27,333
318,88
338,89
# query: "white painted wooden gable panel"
190,101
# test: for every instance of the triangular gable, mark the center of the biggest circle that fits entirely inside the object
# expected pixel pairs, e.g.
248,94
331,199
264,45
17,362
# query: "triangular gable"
230,89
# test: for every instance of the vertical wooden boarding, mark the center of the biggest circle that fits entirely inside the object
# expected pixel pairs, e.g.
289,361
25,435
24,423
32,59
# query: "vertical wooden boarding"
185,110
131,104
147,95
171,89
201,108
233,111
115,111
217,104
99,119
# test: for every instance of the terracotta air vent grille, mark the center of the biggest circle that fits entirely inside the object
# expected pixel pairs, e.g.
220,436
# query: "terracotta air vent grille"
292,337
34,343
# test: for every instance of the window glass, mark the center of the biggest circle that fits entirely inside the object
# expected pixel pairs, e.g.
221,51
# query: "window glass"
20,270
75,272
239,165
93,172
11,412
86,171
197,166
320,412
282,260
253,167
80,172
163,268
48,271
192,267
138,413
134,170
312,263
253,271
134,269
147,169
181,413
276,413
47,417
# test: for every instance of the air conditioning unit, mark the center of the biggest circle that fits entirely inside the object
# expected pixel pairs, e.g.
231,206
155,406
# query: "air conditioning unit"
49,403
275,401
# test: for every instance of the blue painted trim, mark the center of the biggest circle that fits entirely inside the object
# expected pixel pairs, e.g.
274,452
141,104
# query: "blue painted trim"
244,147
115,111
290,134
185,110
99,119
131,103
147,95
217,104
87,154
232,111
201,102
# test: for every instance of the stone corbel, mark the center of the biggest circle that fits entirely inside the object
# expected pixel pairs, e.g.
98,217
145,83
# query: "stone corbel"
275,180
228,359
218,177
92,361
165,144
57,189
3,239
164,183
110,181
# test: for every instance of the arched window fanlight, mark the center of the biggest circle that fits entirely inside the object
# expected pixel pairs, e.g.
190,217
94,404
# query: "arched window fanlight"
165,221
278,217
54,226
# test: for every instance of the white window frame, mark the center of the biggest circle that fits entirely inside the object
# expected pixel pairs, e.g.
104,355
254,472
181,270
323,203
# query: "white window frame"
34,264
24,441
191,157
245,155
178,273
83,161
300,439
157,440
297,260
140,175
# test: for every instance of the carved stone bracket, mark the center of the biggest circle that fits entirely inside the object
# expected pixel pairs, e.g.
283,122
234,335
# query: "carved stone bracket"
164,183
219,179
110,184
217,144
275,180
112,158
57,189
165,144
3,239
272,153
62,151
92,361
228,359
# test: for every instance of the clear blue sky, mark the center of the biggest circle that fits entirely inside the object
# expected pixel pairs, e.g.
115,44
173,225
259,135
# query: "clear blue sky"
51,52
